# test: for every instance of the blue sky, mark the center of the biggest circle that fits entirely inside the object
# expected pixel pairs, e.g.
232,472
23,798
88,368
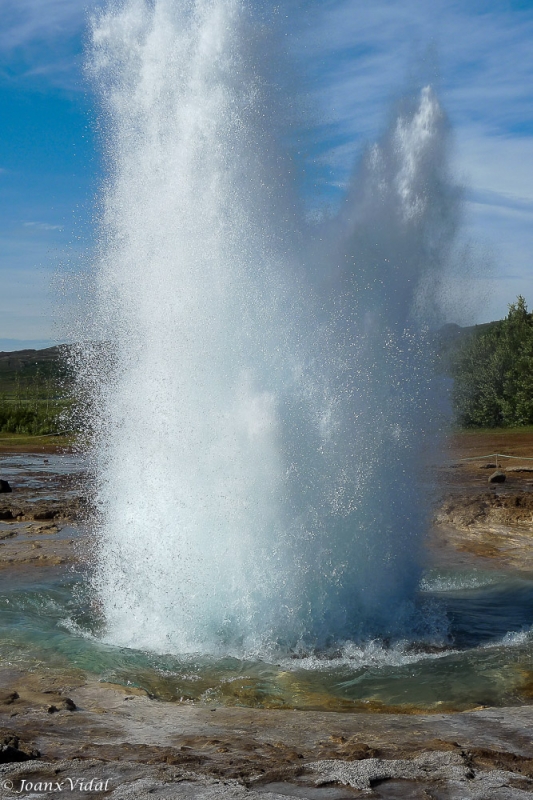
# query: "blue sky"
358,56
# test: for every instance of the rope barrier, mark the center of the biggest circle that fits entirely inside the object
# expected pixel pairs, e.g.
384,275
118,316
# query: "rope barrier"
30,435
496,456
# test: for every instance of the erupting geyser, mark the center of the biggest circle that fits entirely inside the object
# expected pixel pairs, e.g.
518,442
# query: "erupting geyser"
261,410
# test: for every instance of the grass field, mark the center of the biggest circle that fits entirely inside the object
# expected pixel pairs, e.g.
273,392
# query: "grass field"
34,392
22,443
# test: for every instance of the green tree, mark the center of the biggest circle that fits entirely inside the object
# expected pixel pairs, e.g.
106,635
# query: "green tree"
493,373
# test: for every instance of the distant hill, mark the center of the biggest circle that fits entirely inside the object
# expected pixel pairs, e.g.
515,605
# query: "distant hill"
22,368
452,332
451,337
34,391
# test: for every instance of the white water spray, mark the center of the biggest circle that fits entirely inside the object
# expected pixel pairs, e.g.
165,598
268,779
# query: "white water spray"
259,425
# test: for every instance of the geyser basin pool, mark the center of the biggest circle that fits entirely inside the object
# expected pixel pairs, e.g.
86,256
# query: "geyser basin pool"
47,624
266,392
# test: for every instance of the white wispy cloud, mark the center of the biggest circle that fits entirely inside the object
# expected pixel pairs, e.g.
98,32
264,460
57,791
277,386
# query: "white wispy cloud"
502,163
43,226
513,203
479,57
41,41
26,22
364,53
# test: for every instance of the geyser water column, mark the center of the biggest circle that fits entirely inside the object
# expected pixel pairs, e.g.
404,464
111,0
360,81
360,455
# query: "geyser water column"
257,432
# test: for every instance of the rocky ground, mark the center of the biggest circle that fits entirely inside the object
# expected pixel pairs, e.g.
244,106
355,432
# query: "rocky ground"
40,517
135,747
61,735
492,520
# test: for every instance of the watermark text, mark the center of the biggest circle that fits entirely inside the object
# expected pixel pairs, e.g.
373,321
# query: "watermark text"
64,785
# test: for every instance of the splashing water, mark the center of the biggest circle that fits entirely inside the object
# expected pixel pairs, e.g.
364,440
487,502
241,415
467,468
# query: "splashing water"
261,415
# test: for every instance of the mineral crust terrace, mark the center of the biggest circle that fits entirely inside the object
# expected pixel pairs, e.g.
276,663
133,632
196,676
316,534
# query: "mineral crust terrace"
144,748
59,727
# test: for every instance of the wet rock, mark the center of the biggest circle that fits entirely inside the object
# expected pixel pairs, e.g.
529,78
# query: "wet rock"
5,488
69,704
487,509
363,774
450,773
11,751
497,477
48,512
7,698
47,528
45,513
